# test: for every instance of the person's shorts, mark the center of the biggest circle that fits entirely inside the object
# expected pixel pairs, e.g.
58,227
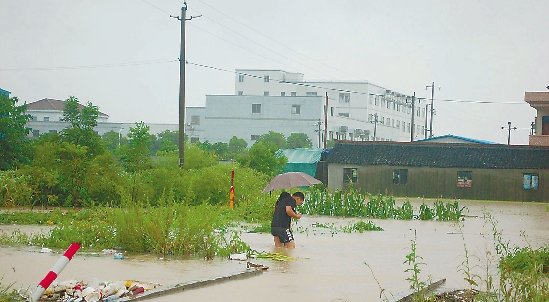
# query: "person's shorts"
285,235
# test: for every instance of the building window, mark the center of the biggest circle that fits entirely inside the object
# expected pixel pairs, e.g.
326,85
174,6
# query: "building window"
241,78
464,179
240,92
195,120
375,100
400,176
343,114
35,133
283,93
266,79
256,108
296,109
344,97
530,181
254,137
265,93
46,118
293,93
350,175
311,93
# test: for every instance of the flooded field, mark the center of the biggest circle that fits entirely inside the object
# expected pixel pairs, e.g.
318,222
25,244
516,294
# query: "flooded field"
329,267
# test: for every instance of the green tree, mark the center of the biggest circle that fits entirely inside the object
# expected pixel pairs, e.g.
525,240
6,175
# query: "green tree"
82,120
221,150
14,144
274,138
261,157
168,141
236,147
197,158
112,141
298,140
135,156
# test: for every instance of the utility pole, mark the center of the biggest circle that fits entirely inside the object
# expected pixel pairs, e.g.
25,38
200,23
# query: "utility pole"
319,130
509,134
425,130
533,128
432,86
182,62
413,106
325,120
375,122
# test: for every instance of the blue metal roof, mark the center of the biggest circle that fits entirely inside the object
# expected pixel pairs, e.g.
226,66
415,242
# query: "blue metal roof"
467,139
3,91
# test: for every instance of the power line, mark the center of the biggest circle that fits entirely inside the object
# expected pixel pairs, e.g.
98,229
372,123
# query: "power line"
155,7
269,49
342,90
236,44
276,42
109,65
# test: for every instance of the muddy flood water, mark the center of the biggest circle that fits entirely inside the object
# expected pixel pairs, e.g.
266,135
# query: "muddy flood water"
330,266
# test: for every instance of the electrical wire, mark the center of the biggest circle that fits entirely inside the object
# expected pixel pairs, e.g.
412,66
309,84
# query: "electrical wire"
276,42
305,84
111,65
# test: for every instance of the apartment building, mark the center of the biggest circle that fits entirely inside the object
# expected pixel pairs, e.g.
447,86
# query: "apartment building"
356,110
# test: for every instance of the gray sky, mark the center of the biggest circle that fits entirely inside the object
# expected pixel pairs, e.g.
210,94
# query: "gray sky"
476,51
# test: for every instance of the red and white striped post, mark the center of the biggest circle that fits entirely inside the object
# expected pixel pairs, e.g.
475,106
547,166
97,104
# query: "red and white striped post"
55,270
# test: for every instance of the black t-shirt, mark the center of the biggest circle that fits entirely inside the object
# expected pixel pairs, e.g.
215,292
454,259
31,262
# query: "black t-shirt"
280,217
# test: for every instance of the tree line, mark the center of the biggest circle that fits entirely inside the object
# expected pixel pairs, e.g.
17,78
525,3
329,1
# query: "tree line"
78,167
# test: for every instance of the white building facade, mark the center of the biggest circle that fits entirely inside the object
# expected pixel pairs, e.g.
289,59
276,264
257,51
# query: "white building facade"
46,117
355,110
249,116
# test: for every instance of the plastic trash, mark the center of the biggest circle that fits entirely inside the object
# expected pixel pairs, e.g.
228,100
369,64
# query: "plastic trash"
118,256
108,252
46,250
113,289
90,294
138,290
240,257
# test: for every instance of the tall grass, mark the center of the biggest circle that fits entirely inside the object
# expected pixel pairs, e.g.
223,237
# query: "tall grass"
172,229
354,203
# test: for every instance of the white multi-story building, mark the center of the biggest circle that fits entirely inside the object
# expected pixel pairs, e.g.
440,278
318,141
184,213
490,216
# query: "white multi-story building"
355,110
250,116
46,117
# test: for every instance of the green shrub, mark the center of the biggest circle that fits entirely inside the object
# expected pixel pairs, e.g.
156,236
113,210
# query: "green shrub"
15,189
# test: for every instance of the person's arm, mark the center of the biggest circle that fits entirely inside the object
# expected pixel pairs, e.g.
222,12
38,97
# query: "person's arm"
291,213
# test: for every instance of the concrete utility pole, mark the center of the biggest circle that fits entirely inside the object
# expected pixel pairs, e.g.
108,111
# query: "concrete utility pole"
182,62
413,106
325,120
319,130
509,134
432,86
426,129
375,122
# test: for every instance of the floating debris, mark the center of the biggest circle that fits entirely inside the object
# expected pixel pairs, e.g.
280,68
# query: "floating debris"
79,291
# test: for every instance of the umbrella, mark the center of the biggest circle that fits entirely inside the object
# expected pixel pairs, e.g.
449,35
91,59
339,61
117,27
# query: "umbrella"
290,180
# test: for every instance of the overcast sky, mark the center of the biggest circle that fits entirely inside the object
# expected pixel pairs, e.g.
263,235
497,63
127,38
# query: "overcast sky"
122,54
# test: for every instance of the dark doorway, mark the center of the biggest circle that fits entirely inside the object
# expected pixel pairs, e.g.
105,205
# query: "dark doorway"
545,125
